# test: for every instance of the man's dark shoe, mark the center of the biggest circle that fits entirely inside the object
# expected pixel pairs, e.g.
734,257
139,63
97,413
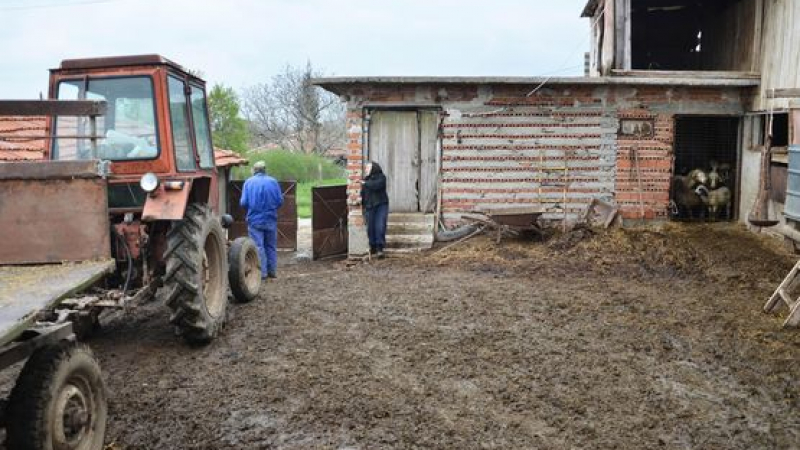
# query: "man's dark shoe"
272,275
373,250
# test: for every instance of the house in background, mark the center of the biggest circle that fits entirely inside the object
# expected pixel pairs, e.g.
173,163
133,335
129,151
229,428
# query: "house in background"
671,86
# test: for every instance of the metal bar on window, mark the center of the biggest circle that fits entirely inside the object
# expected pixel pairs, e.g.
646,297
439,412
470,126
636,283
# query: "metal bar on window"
53,107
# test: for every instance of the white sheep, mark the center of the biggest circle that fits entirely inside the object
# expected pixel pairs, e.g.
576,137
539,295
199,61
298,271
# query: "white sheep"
716,199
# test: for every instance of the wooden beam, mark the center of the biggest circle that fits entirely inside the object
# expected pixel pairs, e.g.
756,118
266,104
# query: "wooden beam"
622,34
52,108
608,38
783,93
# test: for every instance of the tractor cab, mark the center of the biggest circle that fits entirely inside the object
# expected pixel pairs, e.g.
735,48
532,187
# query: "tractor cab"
155,132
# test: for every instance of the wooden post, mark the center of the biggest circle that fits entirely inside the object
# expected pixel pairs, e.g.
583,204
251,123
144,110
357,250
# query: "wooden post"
607,63
622,34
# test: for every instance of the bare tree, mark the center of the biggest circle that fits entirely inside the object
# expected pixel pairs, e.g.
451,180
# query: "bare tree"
290,112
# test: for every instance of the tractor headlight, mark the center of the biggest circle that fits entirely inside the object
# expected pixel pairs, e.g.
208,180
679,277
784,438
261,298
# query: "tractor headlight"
149,182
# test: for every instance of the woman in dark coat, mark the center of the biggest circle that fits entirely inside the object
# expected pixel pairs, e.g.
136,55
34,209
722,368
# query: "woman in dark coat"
375,202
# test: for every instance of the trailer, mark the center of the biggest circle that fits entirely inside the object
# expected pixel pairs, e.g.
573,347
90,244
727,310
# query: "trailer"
59,398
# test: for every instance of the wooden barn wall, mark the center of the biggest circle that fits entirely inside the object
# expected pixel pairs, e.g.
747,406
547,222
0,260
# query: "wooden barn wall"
731,42
780,52
501,147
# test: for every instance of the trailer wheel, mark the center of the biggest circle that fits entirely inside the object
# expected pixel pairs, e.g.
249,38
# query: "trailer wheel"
244,273
195,284
59,401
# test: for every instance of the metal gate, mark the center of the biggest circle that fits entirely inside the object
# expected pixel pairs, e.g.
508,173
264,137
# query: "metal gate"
329,221
287,215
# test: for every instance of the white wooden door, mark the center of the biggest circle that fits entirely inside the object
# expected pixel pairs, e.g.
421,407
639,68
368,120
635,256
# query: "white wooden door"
394,144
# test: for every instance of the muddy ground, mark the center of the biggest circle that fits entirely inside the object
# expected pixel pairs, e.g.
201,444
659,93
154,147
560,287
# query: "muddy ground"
621,339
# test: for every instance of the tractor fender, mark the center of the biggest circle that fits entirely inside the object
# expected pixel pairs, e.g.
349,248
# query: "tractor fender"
167,204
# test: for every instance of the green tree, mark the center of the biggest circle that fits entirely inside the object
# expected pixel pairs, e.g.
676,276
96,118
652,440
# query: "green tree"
228,128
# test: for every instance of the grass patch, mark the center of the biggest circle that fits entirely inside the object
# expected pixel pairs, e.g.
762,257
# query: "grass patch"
304,194
287,166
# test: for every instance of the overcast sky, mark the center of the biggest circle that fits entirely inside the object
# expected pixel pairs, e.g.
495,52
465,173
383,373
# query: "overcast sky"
242,42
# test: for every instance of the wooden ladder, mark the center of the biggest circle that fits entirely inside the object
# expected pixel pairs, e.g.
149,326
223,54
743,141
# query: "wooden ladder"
782,295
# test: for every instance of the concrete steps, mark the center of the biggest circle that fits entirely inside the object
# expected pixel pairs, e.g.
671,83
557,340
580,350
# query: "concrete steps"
410,231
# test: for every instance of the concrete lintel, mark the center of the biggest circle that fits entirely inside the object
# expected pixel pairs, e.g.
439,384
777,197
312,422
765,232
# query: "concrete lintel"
340,85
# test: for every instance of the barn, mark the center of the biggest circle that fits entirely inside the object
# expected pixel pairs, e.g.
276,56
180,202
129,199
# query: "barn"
649,107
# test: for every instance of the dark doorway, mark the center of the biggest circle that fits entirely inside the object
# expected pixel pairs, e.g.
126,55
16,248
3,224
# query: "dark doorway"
692,34
708,144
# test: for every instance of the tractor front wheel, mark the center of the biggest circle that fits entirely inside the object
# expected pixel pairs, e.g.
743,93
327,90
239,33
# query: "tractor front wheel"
196,283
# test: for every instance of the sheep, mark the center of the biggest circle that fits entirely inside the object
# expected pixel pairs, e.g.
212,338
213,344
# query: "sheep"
719,175
715,179
715,199
684,195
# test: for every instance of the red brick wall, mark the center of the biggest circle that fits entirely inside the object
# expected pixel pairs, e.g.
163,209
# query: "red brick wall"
584,124
655,167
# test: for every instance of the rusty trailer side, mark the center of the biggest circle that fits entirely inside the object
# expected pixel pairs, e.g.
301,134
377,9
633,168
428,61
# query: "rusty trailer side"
53,212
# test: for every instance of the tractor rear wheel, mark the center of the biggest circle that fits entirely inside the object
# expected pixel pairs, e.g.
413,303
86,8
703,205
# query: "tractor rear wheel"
58,402
244,273
196,283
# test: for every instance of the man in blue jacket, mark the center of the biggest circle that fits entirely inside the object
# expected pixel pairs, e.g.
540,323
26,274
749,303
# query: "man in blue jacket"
261,198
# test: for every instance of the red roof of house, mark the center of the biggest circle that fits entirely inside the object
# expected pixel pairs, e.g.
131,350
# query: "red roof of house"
15,145
14,142
225,158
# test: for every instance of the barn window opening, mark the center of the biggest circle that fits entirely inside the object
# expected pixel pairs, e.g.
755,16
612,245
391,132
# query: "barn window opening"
691,34
780,130
706,154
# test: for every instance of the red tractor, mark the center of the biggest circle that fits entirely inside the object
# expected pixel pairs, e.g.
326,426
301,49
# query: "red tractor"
127,204
143,120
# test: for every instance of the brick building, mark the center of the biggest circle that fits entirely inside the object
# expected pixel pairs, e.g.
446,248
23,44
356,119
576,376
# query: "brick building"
667,90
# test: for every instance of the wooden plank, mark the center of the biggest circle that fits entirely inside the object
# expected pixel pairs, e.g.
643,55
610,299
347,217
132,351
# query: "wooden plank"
795,131
52,107
607,56
25,290
622,44
695,74
783,93
39,170
429,159
793,320
758,37
777,296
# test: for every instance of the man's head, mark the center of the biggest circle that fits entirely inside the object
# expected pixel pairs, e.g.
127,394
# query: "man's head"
259,167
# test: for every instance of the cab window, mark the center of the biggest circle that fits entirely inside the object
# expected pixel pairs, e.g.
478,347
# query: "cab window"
202,132
179,118
126,132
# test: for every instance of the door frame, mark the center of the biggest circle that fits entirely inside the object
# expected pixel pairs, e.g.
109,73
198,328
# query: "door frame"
366,151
